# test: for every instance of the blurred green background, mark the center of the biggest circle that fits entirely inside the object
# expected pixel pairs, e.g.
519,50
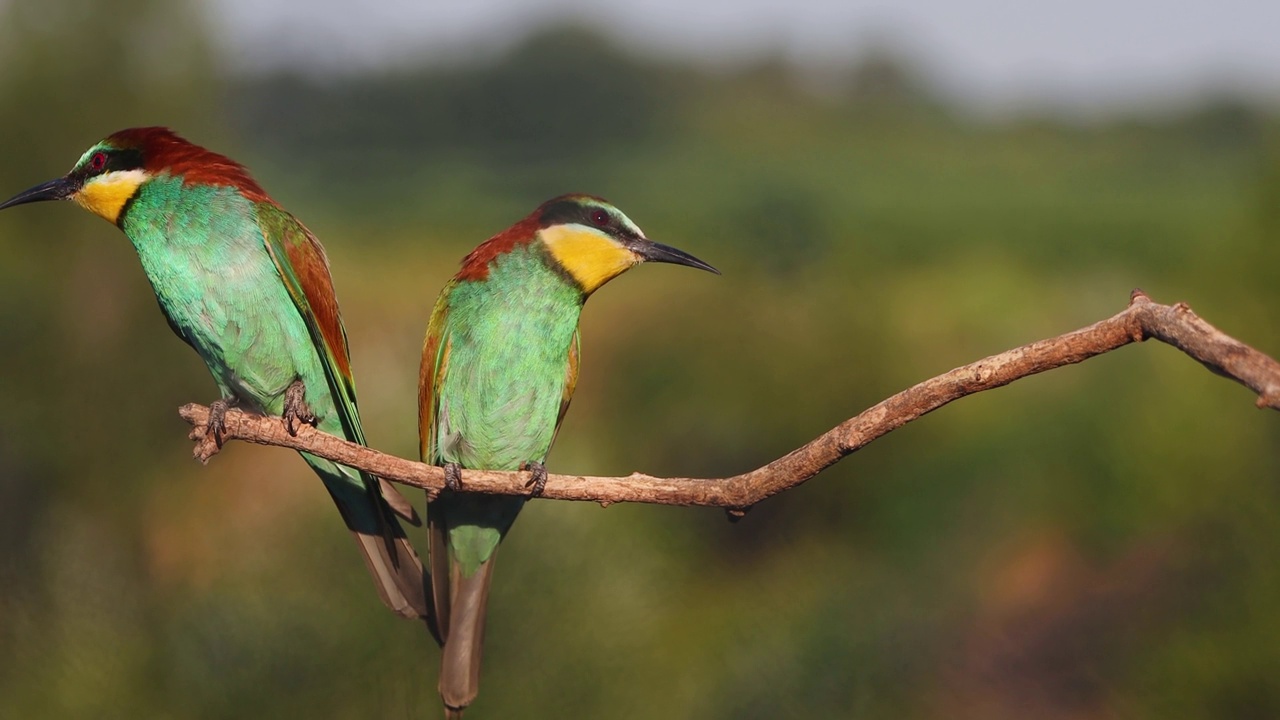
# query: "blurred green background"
1099,542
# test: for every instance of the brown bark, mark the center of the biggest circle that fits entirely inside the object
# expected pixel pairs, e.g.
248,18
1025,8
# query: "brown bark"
1175,325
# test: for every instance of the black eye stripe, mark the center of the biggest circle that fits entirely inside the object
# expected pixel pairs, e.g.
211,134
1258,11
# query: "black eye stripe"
105,161
128,159
573,211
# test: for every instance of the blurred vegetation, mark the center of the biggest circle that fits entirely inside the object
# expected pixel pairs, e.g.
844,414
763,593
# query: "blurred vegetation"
1098,542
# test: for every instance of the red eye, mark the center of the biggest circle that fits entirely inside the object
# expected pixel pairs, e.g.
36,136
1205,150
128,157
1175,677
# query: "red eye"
98,161
600,217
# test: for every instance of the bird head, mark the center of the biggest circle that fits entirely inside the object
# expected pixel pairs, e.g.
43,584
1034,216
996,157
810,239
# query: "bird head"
108,175
594,242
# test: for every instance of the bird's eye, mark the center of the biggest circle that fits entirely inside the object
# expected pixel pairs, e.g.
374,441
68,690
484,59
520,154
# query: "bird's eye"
600,218
98,162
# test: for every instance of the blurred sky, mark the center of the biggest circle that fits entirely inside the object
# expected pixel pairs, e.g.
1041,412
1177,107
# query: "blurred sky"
991,53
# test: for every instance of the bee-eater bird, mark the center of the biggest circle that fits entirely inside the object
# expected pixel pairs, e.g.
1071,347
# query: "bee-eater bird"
499,366
245,284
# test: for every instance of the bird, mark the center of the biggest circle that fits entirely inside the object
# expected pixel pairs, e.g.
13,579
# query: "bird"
499,367
246,285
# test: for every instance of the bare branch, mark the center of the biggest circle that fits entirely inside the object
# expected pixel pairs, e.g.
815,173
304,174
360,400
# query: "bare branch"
1175,325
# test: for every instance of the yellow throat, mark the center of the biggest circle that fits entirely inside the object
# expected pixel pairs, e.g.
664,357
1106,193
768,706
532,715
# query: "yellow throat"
590,256
105,195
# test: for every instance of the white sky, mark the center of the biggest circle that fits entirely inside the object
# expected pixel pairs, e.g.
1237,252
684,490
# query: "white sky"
993,51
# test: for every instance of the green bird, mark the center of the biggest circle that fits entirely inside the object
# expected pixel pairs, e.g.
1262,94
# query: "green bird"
499,366
248,287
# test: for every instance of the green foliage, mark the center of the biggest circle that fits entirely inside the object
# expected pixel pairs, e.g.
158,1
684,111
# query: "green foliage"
1097,541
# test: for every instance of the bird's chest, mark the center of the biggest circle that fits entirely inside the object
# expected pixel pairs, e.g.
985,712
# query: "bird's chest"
222,294
507,368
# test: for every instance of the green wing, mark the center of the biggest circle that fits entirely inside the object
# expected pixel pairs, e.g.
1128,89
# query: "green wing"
303,267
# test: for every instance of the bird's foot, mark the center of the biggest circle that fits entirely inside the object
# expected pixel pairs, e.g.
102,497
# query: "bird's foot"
452,477
216,426
538,477
296,410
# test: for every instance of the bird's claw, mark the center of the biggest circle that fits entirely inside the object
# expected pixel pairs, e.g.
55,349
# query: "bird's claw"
452,477
296,410
537,478
216,425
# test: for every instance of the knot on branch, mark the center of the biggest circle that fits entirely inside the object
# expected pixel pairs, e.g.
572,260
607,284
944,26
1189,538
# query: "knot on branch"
1269,398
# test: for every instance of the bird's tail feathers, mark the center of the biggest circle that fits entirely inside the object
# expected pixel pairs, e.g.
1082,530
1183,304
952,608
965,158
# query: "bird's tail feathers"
460,665
397,572
438,558
399,503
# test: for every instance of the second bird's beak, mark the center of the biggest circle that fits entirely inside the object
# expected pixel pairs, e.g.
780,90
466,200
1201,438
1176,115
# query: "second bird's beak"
657,252
59,189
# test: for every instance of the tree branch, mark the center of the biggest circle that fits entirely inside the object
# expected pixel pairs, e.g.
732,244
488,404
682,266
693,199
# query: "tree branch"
1175,325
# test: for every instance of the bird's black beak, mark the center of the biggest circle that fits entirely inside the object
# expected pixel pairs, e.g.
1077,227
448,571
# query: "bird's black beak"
59,189
657,252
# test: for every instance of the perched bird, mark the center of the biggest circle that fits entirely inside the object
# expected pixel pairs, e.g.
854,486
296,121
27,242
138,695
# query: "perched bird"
245,284
499,365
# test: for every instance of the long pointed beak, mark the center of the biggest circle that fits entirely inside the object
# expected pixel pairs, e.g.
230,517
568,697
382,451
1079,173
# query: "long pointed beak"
657,252
59,189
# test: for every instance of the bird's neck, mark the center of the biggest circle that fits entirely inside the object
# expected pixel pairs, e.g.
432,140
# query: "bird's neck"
167,211
524,288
